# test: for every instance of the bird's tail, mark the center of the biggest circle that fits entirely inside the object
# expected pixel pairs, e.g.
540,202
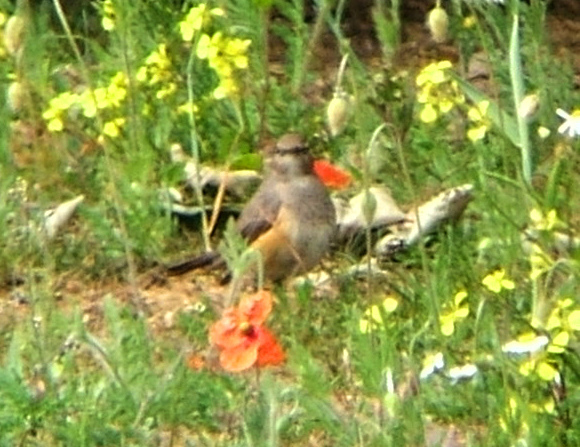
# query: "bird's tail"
208,259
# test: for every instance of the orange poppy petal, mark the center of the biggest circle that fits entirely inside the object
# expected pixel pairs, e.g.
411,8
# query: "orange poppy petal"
226,332
256,307
269,351
331,175
239,358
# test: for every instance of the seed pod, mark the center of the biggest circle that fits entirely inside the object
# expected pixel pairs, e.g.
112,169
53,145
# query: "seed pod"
338,113
14,34
438,24
529,106
16,96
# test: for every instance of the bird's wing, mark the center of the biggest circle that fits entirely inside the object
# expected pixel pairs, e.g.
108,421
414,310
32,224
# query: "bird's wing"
260,213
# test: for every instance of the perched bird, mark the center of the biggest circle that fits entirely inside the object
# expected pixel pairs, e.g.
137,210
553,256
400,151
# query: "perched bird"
290,219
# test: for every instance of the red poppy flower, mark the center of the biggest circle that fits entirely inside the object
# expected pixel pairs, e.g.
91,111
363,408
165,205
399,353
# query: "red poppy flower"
243,340
331,175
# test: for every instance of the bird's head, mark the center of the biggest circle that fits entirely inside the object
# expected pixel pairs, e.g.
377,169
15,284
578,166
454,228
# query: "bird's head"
290,156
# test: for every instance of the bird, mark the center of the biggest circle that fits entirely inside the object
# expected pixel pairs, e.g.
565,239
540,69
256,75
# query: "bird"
290,220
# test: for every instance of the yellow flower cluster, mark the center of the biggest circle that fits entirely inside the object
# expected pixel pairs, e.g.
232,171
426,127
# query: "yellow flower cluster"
156,72
225,55
438,93
196,19
457,312
88,102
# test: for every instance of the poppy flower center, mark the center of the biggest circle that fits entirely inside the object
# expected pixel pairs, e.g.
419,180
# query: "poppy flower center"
247,329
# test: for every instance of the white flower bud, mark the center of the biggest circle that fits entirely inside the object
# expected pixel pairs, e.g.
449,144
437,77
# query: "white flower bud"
14,34
438,24
16,96
338,113
529,106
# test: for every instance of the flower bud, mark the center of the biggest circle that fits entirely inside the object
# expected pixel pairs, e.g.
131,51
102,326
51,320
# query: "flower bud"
438,23
14,34
16,96
529,106
338,113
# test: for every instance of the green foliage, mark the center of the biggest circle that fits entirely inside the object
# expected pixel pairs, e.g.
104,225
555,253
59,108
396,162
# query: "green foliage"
477,327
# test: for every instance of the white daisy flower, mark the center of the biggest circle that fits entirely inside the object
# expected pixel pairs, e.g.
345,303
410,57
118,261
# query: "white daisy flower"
571,125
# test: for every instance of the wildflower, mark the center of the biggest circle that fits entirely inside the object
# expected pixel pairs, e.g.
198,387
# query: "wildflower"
438,23
373,316
56,108
537,347
497,281
109,15
156,71
243,341
458,312
480,125
113,128
195,19
438,92
571,125
331,176
432,364
224,55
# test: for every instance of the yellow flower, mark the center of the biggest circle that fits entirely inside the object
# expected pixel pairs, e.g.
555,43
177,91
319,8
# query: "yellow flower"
108,19
428,114
63,101
437,91
542,222
195,19
574,320
477,115
497,281
113,128
224,55
559,343
457,312
373,316
434,73
477,133
55,125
